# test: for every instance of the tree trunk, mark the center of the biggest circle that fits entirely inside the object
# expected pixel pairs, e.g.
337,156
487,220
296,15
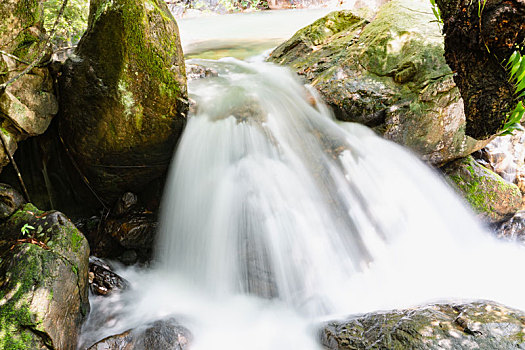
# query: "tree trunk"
479,38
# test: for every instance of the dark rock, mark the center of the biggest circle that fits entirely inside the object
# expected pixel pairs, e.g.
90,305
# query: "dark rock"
476,325
10,201
102,279
388,73
129,257
43,280
513,229
160,335
123,97
493,198
125,203
127,233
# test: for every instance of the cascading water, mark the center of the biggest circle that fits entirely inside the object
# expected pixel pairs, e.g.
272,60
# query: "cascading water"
276,216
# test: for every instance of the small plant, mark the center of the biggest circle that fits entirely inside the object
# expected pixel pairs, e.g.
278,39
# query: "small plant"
481,7
437,12
26,229
516,67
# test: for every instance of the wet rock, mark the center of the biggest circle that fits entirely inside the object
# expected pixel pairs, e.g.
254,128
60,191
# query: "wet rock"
123,104
476,325
43,280
160,335
125,203
10,201
505,155
102,279
493,198
28,105
127,233
388,73
513,229
196,71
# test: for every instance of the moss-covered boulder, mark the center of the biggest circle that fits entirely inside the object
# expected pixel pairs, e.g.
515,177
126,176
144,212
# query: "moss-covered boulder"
29,104
43,280
476,325
123,96
388,73
488,193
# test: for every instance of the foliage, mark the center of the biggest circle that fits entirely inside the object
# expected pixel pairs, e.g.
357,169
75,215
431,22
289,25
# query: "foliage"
516,67
436,11
71,25
26,229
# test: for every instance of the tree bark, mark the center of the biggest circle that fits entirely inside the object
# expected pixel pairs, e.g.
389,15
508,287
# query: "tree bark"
477,44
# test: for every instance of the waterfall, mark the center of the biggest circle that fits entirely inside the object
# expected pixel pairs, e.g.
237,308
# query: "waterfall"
275,216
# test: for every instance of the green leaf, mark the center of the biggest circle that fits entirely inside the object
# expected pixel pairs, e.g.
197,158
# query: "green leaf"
515,56
515,67
520,86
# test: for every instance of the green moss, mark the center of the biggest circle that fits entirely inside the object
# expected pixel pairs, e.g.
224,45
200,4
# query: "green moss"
482,188
15,314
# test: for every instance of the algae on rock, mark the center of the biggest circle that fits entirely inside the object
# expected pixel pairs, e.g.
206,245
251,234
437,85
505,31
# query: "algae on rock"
388,73
124,97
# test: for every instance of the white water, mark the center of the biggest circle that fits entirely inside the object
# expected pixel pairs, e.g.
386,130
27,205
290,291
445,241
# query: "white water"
269,196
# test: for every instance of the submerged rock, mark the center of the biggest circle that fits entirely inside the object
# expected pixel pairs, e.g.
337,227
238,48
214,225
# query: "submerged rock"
388,73
476,325
29,104
493,198
160,335
123,97
43,280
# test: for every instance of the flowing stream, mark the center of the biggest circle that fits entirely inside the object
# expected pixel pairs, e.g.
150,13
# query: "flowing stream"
276,217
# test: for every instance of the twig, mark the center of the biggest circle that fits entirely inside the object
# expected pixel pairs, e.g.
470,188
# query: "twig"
84,178
14,57
4,143
42,54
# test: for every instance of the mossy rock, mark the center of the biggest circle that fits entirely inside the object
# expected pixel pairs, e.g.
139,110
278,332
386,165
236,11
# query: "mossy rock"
124,97
43,280
388,73
475,325
28,105
493,198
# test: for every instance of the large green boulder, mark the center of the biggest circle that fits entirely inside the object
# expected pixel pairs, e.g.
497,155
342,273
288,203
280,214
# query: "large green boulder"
388,73
475,325
28,105
43,281
123,96
493,198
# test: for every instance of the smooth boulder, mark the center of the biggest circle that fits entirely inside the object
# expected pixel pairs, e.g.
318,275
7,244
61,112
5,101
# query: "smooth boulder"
123,96
43,280
388,73
465,326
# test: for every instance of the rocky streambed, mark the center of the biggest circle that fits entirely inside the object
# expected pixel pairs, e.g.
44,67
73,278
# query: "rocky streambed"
121,104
